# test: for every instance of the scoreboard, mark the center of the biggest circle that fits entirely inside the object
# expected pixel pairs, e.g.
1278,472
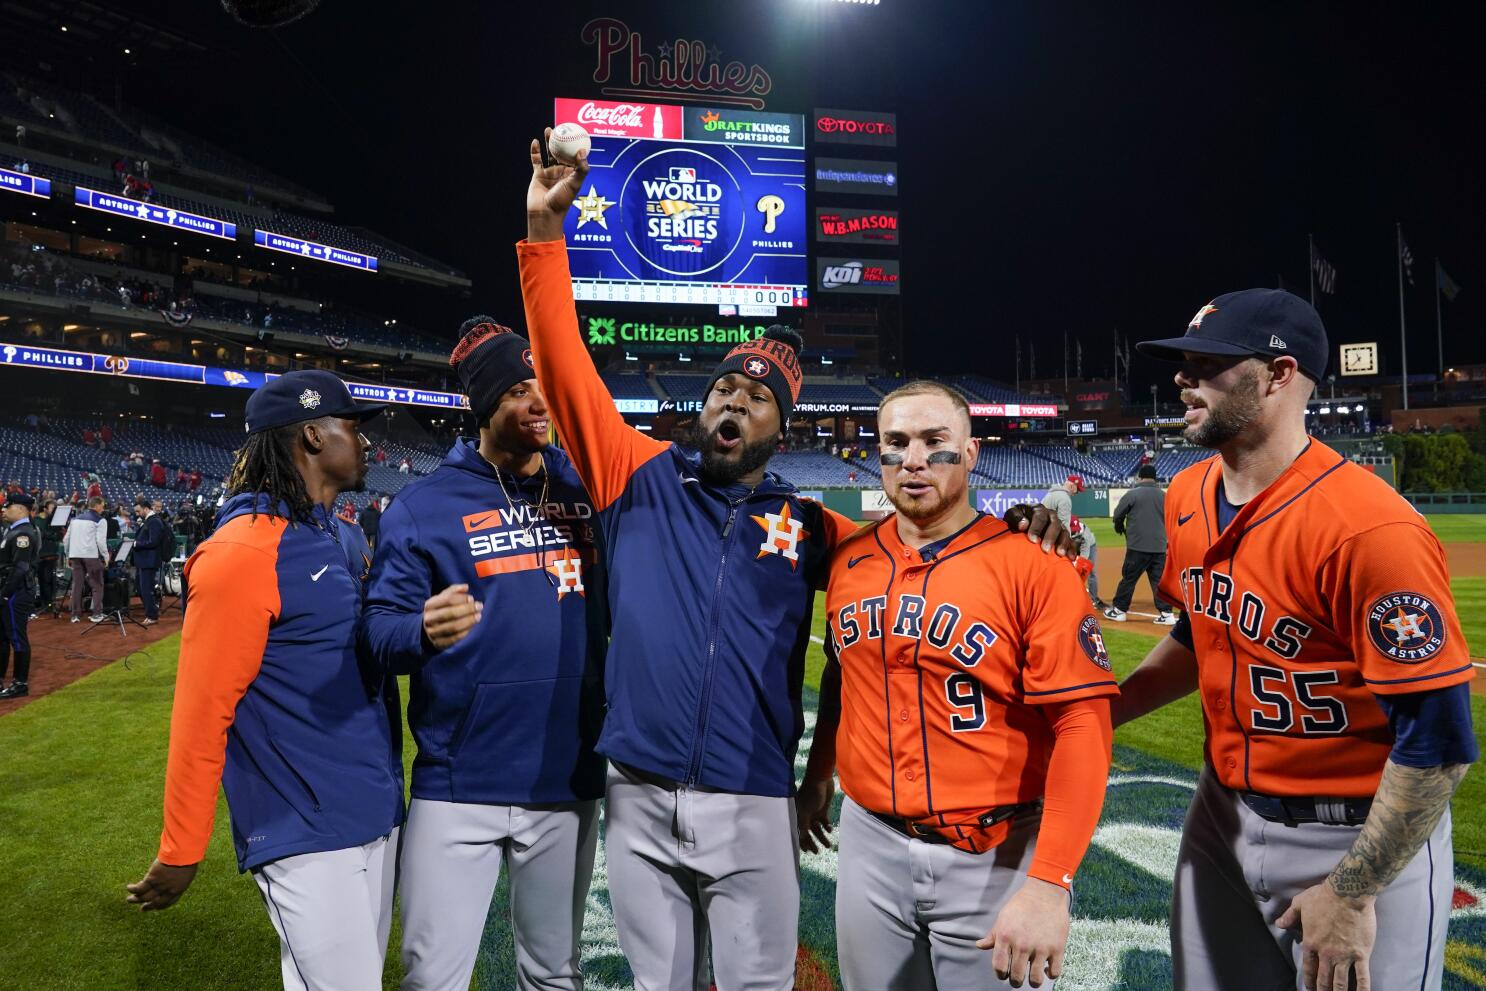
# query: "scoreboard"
689,205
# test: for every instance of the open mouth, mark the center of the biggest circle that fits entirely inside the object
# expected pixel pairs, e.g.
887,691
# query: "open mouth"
1194,406
729,435
536,426
916,488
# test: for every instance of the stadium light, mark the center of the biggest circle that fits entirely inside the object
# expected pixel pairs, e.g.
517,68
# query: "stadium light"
1325,410
1344,409
64,29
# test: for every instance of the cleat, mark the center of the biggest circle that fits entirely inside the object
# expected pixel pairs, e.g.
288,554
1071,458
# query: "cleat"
1165,619
1117,615
16,690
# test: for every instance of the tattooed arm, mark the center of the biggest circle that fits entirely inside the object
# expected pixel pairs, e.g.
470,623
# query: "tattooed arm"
1409,803
1336,917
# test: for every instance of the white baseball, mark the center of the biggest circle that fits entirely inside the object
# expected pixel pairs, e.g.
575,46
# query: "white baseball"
566,141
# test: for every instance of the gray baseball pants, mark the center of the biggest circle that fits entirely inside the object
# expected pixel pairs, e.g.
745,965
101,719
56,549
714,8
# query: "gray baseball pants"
1237,872
686,864
332,911
451,860
908,912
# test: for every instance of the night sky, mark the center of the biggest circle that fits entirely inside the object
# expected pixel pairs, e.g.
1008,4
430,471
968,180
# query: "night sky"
1065,167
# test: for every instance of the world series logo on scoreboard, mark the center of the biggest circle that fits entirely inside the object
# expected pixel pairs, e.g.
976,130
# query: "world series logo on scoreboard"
716,218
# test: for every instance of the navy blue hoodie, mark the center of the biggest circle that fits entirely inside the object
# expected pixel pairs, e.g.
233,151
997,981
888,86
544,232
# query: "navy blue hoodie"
511,713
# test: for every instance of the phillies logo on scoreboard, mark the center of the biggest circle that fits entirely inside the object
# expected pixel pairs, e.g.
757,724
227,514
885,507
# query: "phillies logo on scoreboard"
691,210
610,119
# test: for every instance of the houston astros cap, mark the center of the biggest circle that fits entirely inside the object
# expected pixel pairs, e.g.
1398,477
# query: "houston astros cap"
304,395
1264,323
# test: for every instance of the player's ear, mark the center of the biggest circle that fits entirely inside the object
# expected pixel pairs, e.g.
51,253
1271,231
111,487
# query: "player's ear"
1283,372
972,451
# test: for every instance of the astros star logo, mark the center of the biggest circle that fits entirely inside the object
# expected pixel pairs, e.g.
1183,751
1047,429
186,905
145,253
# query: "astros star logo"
567,568
757,367
782,535
1407,626
592,207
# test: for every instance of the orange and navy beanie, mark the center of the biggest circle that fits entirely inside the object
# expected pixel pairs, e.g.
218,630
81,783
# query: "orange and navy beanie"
489,359
773,359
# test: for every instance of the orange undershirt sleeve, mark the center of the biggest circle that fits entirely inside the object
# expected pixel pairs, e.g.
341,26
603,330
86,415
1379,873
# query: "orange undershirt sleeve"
605,449
234,599
1077,777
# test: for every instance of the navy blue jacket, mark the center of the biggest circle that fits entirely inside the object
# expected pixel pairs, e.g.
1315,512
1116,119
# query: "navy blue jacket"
511,713
711,588
271,698
148,542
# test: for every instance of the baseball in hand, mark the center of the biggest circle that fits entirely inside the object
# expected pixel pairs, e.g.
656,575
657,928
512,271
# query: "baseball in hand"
567,141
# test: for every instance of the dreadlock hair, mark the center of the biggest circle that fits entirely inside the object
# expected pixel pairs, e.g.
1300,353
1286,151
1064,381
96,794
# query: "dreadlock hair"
265,466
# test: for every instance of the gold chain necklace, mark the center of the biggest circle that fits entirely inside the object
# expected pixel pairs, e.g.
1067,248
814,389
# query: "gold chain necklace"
531,517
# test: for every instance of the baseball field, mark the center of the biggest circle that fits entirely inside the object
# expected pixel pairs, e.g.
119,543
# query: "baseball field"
81,770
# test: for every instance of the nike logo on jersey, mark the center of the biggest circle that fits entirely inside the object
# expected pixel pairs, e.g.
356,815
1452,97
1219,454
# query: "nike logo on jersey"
315,576
1067,878
1182,520
856,561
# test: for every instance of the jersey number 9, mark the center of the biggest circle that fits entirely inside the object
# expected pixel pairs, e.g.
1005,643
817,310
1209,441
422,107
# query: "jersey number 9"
963,693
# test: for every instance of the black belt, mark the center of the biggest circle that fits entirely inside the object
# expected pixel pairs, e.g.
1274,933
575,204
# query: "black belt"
1292,811
931,834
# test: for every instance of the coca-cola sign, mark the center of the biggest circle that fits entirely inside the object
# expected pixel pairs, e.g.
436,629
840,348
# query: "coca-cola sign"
856,127
677,68
610,119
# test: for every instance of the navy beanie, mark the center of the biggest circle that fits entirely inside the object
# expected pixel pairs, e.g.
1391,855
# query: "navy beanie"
489,359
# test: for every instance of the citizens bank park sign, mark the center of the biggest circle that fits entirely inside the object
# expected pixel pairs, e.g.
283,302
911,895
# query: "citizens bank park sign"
676,68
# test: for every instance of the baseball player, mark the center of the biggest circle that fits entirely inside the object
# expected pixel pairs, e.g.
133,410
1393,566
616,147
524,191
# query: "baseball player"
713,565
971,685
272,704
1321,636
20,551
506,711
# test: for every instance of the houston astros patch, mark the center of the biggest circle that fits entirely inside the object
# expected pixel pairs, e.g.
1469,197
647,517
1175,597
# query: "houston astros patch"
1092,641
1406,627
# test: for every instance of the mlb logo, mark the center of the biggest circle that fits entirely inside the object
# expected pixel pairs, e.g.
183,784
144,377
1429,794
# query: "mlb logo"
679,174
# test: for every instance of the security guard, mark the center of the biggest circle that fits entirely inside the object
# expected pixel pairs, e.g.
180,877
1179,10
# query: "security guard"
20,549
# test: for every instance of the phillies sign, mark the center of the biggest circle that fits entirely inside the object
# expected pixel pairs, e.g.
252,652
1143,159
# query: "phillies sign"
678,68
609,119
856,127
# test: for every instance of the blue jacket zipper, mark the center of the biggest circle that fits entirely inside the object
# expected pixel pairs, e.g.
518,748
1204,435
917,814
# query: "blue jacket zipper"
704,697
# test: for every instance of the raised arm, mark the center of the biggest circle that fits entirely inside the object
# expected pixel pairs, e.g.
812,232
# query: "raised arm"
605,449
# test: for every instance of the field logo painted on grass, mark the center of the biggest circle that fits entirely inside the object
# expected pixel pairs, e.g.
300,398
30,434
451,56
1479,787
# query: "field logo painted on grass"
1119,938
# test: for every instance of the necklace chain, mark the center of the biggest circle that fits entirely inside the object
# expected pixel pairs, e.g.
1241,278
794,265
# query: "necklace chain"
531,517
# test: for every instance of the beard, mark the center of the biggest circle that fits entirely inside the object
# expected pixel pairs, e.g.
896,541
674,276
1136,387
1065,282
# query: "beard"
721,469
1230,416
929,507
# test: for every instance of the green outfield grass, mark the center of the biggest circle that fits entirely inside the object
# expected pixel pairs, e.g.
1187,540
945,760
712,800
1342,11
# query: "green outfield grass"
80,816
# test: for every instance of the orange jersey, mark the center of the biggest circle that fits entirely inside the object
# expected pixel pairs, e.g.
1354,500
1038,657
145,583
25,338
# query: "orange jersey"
946,665
1326,589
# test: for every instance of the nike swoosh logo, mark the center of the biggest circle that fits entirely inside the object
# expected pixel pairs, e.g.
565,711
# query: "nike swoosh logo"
1182,520
316,576
684,479
1067,878
856,561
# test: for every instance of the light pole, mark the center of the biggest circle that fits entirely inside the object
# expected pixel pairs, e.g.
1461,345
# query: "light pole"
1153,401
